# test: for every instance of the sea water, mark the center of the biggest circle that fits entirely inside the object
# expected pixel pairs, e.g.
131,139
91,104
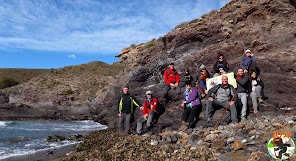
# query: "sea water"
27,137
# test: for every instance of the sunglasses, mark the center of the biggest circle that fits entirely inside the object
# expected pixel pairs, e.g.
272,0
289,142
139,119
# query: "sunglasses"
221,58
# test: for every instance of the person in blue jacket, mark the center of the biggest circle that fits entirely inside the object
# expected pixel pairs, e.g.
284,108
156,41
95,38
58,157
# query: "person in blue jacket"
248,62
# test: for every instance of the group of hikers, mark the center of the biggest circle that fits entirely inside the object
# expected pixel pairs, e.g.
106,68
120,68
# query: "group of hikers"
221,95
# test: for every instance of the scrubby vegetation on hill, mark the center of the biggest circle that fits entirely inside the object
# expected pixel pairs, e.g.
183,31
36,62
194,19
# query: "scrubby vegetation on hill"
21,75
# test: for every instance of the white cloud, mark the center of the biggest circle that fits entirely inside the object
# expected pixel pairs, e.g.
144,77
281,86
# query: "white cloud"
89,26
72,56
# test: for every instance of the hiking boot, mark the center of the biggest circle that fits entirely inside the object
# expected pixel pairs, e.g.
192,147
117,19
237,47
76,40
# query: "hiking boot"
243,118
184,123
149,128
233,123
183,128
149,133
255,110
139,133
260,100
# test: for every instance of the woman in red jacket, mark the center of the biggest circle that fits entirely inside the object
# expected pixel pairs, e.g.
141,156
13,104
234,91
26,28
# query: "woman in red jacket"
149,112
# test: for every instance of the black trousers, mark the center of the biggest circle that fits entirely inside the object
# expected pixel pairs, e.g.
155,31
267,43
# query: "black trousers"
190,113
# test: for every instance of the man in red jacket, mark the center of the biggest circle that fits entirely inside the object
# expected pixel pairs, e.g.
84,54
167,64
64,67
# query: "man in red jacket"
149,112
171,78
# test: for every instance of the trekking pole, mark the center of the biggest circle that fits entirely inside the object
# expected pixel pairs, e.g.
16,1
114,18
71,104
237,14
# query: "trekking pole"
181,116
224,112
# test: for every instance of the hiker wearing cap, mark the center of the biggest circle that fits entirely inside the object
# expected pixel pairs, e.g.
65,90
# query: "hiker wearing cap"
202,79
126,110
149,112
221,66
188,78
220,96
171,78
248,61
190,105
257,90
243,89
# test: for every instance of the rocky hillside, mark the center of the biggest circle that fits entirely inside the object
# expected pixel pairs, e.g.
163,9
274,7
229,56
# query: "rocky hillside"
21,75
267,27
65,93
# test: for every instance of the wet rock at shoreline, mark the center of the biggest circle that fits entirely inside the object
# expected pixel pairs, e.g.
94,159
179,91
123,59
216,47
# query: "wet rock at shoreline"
55,138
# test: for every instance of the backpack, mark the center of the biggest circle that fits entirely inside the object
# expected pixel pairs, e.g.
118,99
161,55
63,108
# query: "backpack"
169,73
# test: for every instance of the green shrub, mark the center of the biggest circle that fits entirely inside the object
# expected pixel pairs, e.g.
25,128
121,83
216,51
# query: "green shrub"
181,25
7,82
68,91
133,46
193,21
150,44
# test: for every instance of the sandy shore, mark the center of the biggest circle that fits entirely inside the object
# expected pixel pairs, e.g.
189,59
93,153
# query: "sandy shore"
46,155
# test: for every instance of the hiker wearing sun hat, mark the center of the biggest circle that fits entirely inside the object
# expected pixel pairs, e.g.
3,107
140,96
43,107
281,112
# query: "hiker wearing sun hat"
149,112
248,61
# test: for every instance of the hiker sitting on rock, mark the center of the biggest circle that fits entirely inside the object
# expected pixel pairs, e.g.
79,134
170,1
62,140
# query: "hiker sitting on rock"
248,62
188,77
202,79
126,110
149,112
190,105
221,66
257,90
243,88
220,96
171,78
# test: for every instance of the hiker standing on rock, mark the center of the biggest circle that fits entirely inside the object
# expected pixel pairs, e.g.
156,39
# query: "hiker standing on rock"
149,112
171,78
243,88
221,66
248,62
202,80
257,90
220,96
126,110
190,105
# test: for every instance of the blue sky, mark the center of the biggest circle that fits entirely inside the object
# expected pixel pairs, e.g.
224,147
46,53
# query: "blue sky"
58,33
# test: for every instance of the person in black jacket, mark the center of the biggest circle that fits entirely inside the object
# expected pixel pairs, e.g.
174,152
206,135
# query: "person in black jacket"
126,110
243,88
188,78
220,96
221,66
257,90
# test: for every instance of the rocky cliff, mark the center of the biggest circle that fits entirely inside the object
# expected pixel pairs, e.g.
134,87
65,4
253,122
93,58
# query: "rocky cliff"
267,27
